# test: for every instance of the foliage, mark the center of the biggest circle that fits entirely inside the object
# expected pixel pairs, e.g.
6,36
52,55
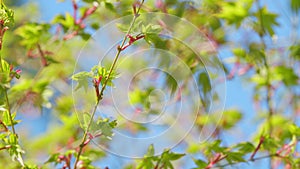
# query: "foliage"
37,62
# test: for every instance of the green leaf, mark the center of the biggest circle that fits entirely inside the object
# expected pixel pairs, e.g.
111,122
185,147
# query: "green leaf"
53,158
235,12
67,21
109,6
106,127
215,146
150,151
99,71
295,51
5,75
32,34
174,156
200,164
5,66
295,5
31,167
172,83
7,15
162,161
148,160
84,36
86,120
230,118
95,26
295,130
284,74
256,53
51,60
267,22
6,118
122,27
140,98
82,79
89,1
151,33
168,156
235,157
239,52
270,144
245,147
15,150
151,29
205,88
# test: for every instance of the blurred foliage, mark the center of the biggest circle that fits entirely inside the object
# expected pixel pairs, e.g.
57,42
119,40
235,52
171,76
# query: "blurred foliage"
37,63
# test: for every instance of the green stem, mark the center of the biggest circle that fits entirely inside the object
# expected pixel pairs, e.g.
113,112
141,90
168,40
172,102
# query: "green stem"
5,91
2,31
81,146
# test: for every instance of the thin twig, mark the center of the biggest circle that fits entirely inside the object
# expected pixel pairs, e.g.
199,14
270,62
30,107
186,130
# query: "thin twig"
261,140
81,146
157,163
5,147
250,160
5,89
75,7
42,55
217,158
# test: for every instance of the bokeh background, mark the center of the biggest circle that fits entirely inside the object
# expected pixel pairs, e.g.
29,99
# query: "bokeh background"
43,96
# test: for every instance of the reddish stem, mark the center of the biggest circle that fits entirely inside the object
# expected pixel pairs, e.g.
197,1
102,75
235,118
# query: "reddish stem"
132,40
245,69
75,7
71,35
80,20
42,55
286,148
91,137
218,157
261,140
233,71
87,13
96,85
4,126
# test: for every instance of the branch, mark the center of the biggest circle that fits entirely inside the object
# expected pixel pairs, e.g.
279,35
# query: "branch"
217,158
42,55
250,160
100,97
261,140
75,8
79,22
5,147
